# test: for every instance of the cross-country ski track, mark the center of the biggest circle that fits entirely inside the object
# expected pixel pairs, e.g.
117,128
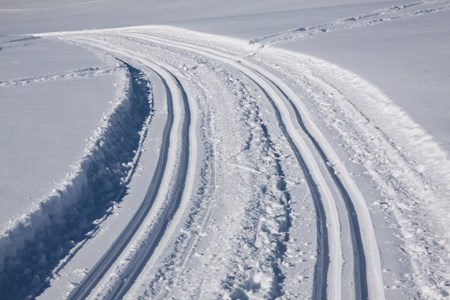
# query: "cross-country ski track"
248,197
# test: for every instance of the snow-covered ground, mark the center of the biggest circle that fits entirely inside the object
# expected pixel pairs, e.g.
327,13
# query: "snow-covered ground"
293,149
49,107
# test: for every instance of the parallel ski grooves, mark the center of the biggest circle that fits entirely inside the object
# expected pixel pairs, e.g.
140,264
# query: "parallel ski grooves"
102,266
322,262
358,255
360,270
139,263
317,159
144,252
322,265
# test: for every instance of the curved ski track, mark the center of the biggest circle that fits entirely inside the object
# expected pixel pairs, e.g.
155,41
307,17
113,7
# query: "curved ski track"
108,259
328,180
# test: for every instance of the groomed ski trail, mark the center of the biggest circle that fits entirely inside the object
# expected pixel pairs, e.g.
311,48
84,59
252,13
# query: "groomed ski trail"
163,186
361,241
142,255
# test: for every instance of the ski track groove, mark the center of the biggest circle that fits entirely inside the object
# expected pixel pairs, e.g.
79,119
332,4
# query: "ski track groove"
138,262
187,240
364,241
358,255
102,266
95,275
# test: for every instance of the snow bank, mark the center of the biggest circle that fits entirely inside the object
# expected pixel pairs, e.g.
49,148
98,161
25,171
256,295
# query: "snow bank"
34,244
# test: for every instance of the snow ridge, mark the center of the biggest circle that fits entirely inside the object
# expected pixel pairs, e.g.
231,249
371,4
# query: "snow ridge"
82,73
34,245
376,17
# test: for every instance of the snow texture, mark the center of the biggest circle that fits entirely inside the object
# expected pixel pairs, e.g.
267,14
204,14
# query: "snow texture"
288,153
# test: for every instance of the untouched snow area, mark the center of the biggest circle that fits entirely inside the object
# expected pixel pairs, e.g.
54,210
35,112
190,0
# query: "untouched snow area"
224,149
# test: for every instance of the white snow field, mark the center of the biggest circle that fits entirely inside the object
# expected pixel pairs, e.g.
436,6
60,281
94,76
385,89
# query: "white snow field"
212,149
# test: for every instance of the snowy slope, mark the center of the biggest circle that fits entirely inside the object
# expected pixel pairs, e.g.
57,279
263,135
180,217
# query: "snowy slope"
189,165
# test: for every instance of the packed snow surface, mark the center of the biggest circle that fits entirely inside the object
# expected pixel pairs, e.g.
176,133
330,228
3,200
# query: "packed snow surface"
217,149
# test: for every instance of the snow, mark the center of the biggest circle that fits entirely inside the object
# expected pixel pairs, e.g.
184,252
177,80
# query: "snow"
53,116
408,60
309,157
116,13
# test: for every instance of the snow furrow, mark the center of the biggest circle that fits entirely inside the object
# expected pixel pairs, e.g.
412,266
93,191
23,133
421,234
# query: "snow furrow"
195,221
177,194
